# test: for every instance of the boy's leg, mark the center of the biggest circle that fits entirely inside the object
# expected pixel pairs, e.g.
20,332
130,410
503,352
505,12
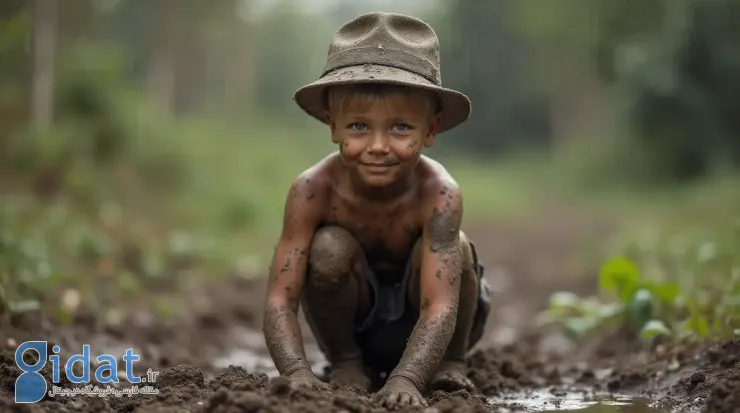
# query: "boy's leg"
452,372
335,294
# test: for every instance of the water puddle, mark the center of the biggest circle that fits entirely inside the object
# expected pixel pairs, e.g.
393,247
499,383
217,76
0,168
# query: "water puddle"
546,401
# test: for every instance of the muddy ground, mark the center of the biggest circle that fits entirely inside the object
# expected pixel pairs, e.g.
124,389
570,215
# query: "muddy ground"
212,357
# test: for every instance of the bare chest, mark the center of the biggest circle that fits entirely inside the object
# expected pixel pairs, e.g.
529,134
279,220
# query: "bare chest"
387,235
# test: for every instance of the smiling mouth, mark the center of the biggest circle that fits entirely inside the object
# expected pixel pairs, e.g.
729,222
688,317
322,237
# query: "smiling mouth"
379,164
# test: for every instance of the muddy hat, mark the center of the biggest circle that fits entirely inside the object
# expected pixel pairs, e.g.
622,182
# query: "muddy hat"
385,48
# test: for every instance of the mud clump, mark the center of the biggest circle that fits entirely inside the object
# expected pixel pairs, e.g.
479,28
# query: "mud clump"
725,395
224,401
726,354
180,376
237,378
494,371
184,388
8,373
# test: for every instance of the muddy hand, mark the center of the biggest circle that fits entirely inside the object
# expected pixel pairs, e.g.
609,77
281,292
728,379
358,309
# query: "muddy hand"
306,378
399,392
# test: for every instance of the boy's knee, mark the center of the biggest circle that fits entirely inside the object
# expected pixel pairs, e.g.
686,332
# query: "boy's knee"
332,255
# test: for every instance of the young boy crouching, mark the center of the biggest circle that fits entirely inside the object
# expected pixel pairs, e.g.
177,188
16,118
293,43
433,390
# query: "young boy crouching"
371,242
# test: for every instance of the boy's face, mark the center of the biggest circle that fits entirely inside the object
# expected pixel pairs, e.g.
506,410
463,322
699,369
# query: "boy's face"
381,138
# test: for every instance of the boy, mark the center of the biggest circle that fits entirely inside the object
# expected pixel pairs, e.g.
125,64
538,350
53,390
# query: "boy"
371,242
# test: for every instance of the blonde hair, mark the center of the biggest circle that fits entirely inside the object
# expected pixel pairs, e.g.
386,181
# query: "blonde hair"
340,97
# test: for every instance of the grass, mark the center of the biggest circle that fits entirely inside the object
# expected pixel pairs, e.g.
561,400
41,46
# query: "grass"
238,187
207,191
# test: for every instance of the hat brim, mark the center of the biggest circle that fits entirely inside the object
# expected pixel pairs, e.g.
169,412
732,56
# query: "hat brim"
455,106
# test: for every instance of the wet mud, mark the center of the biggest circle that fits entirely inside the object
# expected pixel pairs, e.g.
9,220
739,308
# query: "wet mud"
212,357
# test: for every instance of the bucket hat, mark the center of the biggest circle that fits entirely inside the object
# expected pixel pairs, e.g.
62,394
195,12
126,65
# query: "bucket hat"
385,48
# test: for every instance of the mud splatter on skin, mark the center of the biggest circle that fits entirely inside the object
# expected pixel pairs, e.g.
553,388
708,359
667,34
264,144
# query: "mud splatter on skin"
342,145
443,233
330,304
280,324
283,338
425,349
444,237
415,153
287,267
432,333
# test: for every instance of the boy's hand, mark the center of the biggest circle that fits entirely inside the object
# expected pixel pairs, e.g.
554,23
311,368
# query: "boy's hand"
399,392
306,378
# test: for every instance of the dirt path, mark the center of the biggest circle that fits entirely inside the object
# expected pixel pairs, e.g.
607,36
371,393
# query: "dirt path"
519,366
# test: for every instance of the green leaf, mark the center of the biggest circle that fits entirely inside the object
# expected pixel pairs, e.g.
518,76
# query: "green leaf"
640,309
666,292
654,328
620,275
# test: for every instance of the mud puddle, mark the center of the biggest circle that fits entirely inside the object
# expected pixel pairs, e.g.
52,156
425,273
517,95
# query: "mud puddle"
586,402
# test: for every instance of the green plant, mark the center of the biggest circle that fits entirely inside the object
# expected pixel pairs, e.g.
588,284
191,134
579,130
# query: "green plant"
652,308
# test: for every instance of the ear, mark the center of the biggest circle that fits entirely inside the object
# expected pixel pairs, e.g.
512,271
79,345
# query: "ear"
431,136
332,126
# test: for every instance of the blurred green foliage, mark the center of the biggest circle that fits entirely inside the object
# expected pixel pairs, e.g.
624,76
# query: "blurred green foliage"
675,272
173,115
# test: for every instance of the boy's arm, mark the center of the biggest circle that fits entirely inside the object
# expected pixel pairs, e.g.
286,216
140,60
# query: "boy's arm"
287,274
441,268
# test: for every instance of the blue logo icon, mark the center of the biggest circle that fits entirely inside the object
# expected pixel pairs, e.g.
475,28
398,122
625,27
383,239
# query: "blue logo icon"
31,386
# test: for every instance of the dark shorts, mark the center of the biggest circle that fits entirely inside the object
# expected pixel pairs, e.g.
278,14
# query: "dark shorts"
391,318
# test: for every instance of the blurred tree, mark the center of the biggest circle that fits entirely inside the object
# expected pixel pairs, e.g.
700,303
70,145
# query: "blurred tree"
679,86
710,58
178,48
44,47
15,69
286,57
674,66
484,59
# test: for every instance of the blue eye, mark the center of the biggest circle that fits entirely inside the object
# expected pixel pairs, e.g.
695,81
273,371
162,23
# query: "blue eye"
359,126
401,127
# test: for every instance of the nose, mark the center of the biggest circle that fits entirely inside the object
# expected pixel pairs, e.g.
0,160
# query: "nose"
378,143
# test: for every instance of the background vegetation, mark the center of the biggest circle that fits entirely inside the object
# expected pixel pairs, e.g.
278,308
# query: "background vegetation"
143,138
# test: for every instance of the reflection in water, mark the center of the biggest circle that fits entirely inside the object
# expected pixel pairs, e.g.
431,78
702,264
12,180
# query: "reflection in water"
545,401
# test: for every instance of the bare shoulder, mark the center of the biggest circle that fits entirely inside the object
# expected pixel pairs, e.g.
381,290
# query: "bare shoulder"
439,190
314,183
